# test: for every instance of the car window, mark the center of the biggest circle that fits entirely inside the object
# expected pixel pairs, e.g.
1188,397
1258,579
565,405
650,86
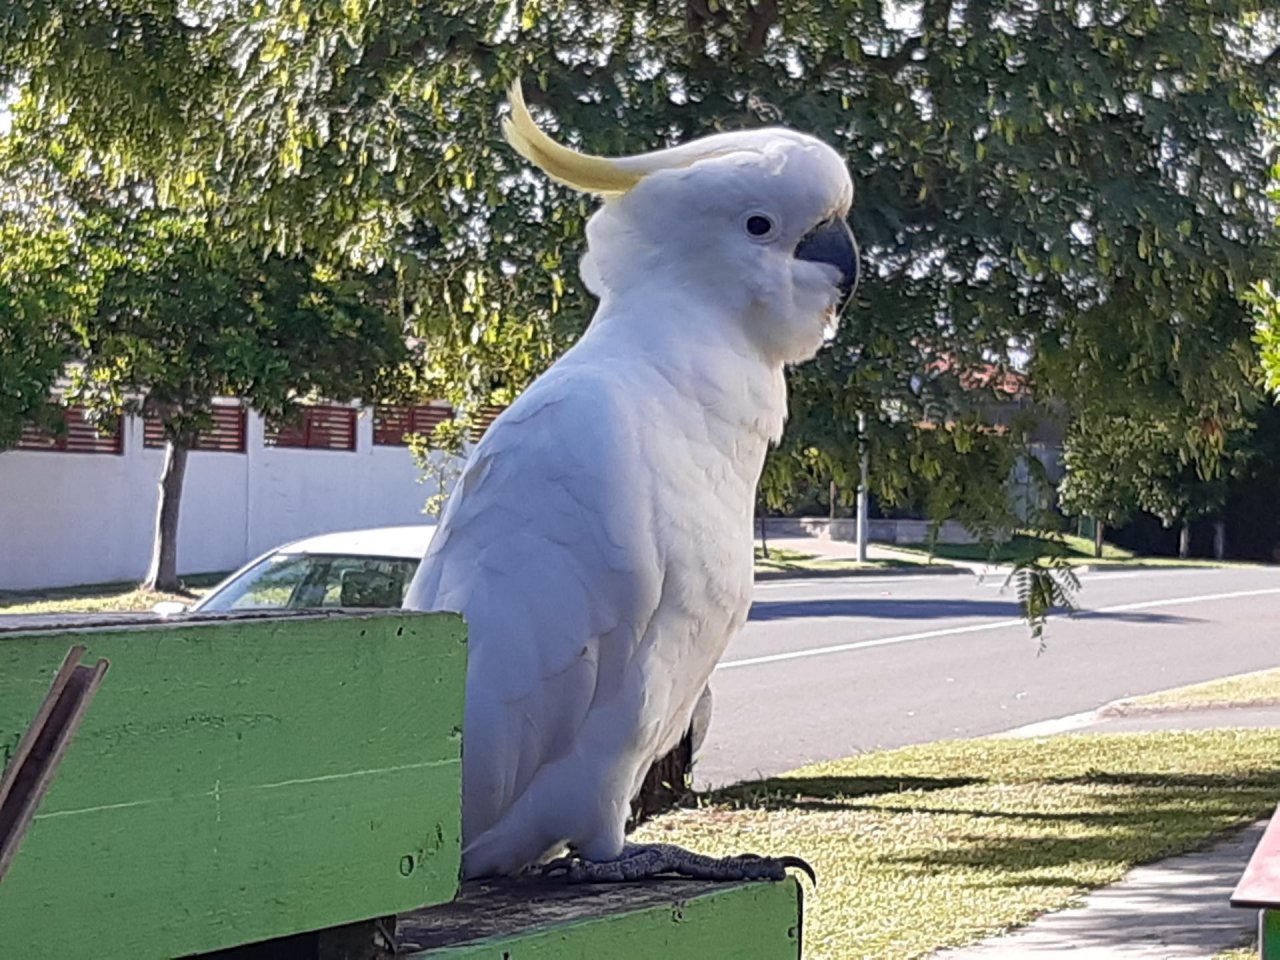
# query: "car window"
310,581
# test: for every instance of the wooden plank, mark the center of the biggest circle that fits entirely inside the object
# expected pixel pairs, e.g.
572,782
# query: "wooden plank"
237,781
667,919
1269,934
41,748
1259,885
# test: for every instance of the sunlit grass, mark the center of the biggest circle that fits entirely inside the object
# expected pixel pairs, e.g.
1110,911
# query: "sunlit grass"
98,598
1242,690
792,561
944,844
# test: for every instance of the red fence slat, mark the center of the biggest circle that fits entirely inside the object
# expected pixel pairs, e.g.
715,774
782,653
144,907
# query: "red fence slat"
392,423
81,436
317,428
228,434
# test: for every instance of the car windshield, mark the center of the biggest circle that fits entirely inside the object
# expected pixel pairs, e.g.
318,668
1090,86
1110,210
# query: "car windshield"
301,581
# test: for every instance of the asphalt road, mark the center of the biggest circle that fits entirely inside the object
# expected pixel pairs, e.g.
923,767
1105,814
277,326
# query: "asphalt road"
828,668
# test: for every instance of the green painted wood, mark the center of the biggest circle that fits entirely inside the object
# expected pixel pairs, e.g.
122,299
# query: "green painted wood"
664,920
1269,934
239,780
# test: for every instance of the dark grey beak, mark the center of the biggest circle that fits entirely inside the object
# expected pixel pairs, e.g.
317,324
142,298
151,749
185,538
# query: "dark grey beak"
832,242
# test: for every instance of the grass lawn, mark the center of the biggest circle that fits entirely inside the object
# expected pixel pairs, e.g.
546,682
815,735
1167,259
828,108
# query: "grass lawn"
1073,549
947,843
791,561
1248,688
96,598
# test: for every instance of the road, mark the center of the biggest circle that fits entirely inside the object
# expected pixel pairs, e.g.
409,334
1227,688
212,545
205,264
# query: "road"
828,668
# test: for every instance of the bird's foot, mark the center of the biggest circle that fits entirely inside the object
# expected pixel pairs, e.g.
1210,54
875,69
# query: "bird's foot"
647,860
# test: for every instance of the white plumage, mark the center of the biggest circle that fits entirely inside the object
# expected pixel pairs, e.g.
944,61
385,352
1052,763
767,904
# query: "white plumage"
599,542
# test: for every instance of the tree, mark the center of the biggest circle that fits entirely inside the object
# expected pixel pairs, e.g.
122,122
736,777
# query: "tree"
1176,470
33,289
43,286
180,320
1030,177
1105,462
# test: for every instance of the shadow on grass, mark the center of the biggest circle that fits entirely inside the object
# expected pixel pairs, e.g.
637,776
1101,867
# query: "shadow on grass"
193,586
1111,818
926,610
806,793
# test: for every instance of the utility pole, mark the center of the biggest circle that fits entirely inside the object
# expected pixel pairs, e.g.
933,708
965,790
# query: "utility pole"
862,488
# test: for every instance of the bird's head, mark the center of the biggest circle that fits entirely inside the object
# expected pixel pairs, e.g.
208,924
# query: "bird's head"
751,222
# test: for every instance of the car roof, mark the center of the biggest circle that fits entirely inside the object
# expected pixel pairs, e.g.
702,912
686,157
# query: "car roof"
409,542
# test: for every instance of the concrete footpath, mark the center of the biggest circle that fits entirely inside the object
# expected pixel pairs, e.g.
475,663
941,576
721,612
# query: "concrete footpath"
824,549
1174,908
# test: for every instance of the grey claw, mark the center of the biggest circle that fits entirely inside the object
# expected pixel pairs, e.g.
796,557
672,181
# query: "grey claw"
798,863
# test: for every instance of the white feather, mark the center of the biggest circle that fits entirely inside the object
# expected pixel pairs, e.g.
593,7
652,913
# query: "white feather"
599,542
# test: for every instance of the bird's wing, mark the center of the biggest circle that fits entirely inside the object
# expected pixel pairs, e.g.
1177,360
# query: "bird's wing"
543,548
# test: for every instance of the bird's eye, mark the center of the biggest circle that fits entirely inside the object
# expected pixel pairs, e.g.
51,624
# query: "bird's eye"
758,225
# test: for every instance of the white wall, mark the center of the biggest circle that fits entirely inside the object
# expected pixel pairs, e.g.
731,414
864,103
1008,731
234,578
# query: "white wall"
72,518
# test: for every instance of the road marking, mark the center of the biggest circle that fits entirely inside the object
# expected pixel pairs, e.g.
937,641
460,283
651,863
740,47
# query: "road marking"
980,627
1178,601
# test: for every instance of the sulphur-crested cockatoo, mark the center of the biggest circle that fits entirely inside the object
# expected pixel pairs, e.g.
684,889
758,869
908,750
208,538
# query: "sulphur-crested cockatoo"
599,541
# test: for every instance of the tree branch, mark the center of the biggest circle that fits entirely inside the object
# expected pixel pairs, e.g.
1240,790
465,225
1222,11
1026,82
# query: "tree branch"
760,18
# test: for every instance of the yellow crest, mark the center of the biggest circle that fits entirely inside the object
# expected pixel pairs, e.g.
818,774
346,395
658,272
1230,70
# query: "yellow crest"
582,171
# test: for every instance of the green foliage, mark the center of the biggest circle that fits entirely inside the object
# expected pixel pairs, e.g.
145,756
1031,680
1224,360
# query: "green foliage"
1105,462
1079,182
1043,585
1266,303
179,320
1172,468
35,294
438,458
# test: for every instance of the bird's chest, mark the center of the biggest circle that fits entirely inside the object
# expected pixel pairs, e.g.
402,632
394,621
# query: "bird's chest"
703,505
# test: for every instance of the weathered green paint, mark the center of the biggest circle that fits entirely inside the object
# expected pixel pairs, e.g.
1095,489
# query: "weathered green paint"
239,780
1269,934
689,921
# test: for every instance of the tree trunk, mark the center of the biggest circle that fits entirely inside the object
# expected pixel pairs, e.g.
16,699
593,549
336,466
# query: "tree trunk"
1099,530
1184,540
1219,539
162,574
764,542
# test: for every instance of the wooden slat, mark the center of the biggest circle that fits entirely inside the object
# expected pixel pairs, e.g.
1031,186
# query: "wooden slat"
30,770
1259,886
427,416
227,435
668,919
81,436
317,428
483,419
1269,935
393,423
239,780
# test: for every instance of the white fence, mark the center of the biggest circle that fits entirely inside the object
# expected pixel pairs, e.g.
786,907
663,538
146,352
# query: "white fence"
73,518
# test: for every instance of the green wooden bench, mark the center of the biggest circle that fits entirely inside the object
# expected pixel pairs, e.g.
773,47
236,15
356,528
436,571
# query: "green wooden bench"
1259,889
289,787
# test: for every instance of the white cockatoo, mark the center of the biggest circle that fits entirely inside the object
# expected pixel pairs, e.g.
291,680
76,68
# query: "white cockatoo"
599,541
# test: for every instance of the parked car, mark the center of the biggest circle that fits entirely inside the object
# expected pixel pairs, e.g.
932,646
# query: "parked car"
355,568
